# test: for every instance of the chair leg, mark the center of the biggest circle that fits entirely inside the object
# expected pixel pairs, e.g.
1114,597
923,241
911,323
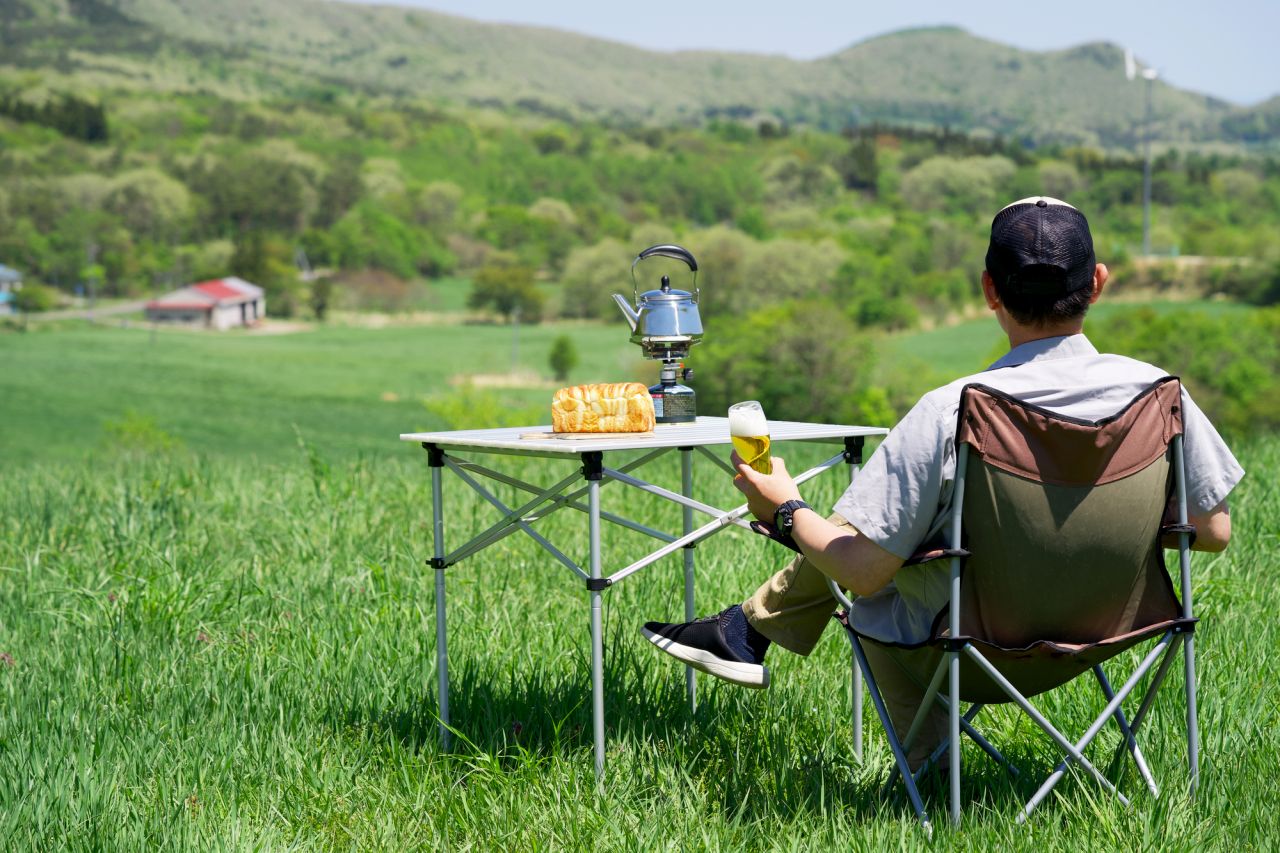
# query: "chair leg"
855,698
1075,751
894,745
1057,736
922,712
965,719
1193,725
1126,732
954,712
978,738
926,705
1161,672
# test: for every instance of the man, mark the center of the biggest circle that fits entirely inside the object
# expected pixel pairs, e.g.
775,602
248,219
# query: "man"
1041,277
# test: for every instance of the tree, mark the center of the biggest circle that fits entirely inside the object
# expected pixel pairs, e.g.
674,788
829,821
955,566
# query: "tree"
790,269
1060,179
722,255
149,203
591,274
339,191
268,262
321,295
857,166
804,361
506,285
437,205
790,179
957,184
563,357
33,298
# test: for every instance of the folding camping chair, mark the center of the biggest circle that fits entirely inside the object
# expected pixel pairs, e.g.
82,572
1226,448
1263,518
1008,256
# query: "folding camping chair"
1056,567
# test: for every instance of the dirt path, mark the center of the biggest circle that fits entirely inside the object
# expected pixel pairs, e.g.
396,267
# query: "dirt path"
86,313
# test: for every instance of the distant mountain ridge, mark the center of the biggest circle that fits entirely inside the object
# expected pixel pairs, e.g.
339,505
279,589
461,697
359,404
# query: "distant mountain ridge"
939,76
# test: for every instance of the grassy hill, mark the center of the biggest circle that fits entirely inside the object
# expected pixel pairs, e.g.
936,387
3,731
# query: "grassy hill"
934,76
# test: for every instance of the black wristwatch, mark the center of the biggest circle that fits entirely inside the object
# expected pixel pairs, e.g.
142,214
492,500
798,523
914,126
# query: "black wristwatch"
784,516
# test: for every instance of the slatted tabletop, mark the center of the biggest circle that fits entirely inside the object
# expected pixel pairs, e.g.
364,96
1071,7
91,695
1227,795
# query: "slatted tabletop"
705,431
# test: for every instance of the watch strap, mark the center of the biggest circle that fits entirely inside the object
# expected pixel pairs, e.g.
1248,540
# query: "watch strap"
790,507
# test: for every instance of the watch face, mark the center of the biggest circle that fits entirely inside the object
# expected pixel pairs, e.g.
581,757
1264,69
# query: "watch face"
786,519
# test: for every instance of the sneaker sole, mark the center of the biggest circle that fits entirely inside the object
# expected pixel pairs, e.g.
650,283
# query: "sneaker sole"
755,676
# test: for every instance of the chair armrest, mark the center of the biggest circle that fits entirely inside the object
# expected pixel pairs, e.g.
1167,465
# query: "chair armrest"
769,531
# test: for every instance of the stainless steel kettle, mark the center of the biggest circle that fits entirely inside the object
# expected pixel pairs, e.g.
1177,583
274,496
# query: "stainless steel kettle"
664,322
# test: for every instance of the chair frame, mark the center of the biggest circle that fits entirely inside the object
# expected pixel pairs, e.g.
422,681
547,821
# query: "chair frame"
1161,656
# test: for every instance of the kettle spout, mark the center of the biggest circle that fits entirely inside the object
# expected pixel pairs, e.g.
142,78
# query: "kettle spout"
627,310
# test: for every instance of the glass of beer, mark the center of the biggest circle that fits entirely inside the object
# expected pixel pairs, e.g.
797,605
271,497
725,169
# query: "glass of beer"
750,433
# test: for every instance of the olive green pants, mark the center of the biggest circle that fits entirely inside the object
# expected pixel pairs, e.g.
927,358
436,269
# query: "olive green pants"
794,607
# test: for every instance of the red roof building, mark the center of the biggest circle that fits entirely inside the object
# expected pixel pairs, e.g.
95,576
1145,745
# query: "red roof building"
222,303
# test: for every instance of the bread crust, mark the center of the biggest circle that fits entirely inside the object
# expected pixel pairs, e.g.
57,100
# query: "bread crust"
602,407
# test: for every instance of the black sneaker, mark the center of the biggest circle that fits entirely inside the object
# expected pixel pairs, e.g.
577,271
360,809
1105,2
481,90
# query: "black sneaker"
724,645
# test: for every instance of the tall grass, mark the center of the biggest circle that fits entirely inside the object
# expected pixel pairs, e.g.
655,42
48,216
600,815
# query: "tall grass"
210,653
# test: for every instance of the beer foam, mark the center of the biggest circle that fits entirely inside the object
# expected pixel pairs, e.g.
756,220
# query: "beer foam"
747,421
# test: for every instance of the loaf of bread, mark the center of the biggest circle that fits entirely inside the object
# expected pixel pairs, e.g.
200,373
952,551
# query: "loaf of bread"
604,407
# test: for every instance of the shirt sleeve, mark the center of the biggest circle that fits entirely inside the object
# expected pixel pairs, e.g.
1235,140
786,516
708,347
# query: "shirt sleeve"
894,498
1212,470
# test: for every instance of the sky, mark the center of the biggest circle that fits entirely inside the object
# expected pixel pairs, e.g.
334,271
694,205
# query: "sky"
1224,48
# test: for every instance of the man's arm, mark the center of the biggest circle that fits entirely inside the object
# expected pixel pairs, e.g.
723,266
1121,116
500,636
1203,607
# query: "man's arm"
1213,529
850,559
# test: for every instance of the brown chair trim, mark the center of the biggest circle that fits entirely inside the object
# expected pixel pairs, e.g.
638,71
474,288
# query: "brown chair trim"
1010,434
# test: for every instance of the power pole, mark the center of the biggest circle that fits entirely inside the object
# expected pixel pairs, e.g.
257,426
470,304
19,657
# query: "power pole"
1148,74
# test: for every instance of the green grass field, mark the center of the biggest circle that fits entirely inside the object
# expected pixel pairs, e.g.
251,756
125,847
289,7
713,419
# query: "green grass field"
347,390
227,642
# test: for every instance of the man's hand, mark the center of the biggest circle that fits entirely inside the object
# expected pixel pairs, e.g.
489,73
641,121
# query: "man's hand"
842,554
765,492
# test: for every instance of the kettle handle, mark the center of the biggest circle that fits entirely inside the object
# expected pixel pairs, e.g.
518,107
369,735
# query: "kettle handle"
666,250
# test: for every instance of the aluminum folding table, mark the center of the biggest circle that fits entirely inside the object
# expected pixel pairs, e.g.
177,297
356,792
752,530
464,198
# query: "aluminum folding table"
442,452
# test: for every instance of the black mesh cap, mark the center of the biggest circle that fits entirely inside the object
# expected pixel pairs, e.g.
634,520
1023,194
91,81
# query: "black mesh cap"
1041,247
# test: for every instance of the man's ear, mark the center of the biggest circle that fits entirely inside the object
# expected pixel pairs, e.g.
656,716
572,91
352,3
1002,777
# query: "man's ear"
1100,276
989,290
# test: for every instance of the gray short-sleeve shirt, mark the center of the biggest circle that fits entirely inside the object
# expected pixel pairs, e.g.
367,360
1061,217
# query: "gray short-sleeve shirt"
901,497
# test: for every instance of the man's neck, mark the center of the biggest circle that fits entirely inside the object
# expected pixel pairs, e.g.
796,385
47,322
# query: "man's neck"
1019,335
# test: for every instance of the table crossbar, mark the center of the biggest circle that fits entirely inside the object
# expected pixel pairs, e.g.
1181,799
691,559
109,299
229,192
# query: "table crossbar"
572,504
507,526
504,527
521,523
724,466
674,497
720,522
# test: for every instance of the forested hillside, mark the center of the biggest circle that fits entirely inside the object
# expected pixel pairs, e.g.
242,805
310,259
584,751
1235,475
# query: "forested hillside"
928,77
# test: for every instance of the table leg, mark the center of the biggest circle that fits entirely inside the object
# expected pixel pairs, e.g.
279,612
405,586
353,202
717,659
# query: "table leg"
437,537
686,489
597,632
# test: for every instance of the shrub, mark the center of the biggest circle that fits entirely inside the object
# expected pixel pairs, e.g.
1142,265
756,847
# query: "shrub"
1230,363
139,433
563,357
468,407
33,298
804,361
591,274
506,285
